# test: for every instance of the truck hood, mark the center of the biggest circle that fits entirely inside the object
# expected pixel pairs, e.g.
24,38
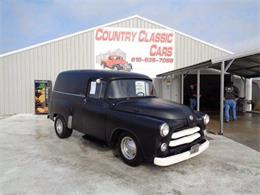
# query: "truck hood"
155,107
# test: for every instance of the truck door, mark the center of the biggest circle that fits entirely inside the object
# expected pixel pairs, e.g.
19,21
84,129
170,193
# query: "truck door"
94,109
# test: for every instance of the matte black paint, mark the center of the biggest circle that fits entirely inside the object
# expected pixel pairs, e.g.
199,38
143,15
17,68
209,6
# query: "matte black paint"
104,118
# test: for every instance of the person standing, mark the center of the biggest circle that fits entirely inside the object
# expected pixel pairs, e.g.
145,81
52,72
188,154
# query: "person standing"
192,95
231,94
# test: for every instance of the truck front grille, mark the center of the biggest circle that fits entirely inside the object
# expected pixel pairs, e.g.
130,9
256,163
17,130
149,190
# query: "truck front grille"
184,136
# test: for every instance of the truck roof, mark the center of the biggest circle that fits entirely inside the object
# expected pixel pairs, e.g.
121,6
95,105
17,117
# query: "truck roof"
105,74
75,81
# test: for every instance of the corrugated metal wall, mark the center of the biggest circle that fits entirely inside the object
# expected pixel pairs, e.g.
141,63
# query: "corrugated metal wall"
136,23
190,51
19,70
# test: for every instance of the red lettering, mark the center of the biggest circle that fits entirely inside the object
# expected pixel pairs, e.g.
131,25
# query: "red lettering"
164,51
105,35
157,37
163,37
170,38
128,36
99,37
153,50
142,36
160,51
116,37
169,52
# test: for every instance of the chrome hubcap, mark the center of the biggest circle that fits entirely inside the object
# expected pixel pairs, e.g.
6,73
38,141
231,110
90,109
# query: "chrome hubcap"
128,148
59,126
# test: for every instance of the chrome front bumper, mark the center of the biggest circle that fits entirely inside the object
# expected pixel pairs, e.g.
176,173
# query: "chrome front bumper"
166,161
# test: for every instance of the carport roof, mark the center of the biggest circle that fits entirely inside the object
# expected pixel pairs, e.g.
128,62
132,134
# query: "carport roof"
246,64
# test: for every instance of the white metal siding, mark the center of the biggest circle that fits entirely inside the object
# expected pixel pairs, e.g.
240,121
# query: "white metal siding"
2,96
190,51
171,91
136,23
19,70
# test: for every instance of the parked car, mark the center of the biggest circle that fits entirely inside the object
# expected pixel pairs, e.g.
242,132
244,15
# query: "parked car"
122,109
115,62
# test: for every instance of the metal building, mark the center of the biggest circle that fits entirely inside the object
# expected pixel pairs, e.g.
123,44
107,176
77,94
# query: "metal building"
19,69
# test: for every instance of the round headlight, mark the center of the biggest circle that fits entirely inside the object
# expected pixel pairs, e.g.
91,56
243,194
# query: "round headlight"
206,119
164,129
163,147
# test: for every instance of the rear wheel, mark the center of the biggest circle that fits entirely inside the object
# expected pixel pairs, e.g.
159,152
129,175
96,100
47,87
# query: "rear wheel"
129,150
61,128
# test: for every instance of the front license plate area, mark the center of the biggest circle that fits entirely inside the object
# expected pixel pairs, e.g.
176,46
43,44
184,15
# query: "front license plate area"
194,149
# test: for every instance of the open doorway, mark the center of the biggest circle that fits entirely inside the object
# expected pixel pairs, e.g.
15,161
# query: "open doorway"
245,129
209,91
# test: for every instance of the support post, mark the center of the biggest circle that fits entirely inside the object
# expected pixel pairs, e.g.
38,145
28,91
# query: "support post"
182,88
170,88
244,106
248,94
229,64
222,80
198,90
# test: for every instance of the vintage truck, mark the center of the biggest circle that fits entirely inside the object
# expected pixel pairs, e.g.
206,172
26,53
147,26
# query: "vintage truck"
116,62
122,109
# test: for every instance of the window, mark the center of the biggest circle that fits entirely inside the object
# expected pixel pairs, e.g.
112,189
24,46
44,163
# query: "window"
125,88
96,89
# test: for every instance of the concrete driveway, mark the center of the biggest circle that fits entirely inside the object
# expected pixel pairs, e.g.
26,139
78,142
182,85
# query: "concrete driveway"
34,161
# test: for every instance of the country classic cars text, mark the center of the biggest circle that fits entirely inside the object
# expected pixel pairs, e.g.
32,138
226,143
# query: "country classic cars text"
131,36
146,36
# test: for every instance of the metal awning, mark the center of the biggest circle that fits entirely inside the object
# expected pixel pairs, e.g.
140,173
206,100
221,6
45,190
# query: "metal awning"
246,65
185,70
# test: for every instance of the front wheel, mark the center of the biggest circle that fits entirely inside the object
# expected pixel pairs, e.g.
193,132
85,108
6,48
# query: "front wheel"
129,150
61,128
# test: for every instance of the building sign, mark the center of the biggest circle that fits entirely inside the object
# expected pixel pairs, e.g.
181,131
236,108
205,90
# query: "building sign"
42,90
147,51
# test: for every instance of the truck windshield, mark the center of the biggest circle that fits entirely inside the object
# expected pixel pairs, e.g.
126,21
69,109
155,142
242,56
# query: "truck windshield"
127,88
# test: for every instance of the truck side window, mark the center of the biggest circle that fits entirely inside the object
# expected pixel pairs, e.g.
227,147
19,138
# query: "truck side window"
96,90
